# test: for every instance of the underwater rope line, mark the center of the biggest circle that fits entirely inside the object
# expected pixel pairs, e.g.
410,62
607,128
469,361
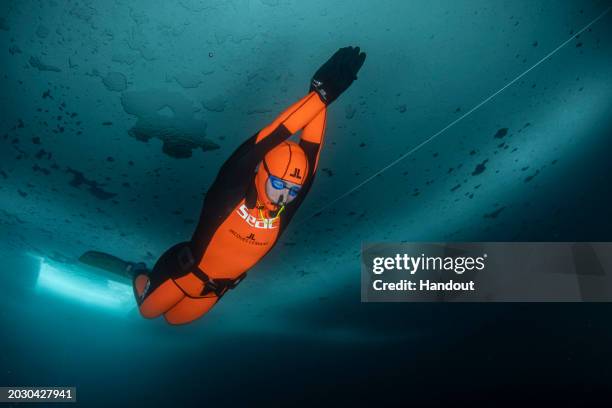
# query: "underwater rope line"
454,122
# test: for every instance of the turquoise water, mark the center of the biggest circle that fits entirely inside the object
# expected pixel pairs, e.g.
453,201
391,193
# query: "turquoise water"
116,116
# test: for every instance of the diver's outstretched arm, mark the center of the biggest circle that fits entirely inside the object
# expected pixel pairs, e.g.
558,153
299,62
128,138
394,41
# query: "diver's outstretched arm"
312,138
328,83
331,79
294,118
249,154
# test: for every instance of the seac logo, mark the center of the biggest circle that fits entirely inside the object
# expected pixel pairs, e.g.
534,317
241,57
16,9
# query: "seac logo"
266,223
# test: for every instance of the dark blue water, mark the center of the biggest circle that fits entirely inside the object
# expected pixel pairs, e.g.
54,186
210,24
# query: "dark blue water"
116,116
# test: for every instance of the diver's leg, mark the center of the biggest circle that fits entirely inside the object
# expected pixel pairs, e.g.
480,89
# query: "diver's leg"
141,285
155,302
189,309
156,292
193,305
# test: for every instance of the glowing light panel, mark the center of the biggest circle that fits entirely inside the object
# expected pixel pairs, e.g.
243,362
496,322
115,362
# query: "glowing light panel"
75,283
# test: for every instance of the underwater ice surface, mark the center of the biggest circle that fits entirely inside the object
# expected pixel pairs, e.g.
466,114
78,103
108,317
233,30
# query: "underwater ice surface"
116,116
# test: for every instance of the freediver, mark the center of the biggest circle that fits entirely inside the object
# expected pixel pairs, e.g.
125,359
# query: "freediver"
249,205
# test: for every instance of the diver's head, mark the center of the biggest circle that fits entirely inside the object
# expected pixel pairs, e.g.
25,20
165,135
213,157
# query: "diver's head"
281,174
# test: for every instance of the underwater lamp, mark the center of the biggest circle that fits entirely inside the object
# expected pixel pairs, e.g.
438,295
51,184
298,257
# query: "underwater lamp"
80,283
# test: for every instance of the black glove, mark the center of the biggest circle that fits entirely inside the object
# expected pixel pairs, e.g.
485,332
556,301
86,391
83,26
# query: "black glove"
337,74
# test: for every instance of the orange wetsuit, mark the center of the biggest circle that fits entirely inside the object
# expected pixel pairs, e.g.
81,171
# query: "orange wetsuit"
231,235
